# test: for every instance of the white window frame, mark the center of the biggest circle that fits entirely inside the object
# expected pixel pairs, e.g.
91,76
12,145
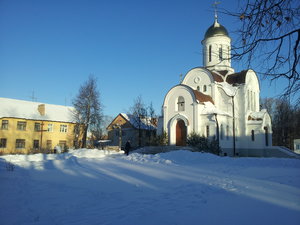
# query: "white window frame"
63,128
50,127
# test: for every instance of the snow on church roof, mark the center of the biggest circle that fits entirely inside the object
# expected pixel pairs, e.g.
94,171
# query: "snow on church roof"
14,108
228,89
257,115
210,109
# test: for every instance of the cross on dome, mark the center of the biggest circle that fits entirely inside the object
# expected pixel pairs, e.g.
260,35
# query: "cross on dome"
215,5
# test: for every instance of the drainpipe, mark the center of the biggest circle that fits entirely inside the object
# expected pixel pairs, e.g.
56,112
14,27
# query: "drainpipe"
233,125
218,132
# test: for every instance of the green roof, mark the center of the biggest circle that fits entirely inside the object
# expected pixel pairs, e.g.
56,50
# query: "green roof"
216,30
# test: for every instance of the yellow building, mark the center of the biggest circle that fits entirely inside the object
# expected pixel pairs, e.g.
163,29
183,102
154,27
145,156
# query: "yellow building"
31,126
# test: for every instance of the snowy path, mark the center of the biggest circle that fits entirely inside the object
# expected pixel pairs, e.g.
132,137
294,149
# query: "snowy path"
94,187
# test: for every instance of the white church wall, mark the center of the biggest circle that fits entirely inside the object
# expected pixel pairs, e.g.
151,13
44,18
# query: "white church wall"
223,101
253,91
199,79
173,113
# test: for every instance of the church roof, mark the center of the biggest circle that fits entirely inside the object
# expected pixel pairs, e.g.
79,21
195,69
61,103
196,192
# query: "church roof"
237,78
216,30
217,77
203,97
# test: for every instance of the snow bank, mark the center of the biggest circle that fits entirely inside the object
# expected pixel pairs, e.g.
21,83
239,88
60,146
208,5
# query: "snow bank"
93,153
178,187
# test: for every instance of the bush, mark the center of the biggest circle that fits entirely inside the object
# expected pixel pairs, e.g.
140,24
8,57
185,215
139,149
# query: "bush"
160,140
201,143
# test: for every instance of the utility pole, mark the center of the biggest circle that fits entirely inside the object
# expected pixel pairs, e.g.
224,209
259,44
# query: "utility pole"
42,126
233,125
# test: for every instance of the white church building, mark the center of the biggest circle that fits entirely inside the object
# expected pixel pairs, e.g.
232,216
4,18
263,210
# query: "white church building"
217,102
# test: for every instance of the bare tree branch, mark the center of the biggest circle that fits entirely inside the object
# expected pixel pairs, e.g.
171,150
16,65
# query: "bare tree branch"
269,36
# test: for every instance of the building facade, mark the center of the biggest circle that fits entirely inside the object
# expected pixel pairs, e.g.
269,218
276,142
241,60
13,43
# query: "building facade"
215,101
30,126
126,127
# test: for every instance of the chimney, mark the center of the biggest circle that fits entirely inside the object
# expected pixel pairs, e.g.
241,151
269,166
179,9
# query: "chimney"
42,109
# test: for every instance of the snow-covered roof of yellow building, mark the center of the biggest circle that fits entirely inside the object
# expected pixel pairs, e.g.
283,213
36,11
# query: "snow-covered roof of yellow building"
14,108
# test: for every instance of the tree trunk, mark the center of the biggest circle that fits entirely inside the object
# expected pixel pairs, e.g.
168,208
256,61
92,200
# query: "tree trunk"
83,145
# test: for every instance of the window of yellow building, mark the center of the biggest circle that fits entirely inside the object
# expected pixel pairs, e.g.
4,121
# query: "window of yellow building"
21,125
20,143
62,144
36,144
49,144
4,125
63,128
3,143
50,127
37,126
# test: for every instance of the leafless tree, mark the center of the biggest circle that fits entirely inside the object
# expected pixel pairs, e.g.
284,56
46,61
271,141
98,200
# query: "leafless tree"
269,35
88,108
144,118
139,112
285,121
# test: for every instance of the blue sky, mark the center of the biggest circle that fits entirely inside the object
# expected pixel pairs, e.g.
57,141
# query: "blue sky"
50,47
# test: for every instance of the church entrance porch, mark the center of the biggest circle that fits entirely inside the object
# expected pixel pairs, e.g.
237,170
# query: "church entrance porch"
181,133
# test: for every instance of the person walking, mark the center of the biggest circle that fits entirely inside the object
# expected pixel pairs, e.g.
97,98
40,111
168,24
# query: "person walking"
127,147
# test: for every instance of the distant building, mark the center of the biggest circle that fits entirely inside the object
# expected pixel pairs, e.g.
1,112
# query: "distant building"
128,127
31,126
215,101
297,145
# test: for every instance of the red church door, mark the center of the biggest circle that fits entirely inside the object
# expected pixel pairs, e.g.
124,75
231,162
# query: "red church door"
181,133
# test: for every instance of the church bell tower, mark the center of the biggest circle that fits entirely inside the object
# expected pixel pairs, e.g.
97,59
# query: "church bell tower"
217,48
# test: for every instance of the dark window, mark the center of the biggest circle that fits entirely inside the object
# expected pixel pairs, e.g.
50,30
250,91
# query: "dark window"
252,135
227,132
3,143
221,53
204,88
21,125
63,144
207,131
266,136
198,88
4,125
209,53
222,132
49,144
20,143
36,144
180,103
37,126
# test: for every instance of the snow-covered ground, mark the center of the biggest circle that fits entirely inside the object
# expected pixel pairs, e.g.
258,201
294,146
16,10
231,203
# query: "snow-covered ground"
180,187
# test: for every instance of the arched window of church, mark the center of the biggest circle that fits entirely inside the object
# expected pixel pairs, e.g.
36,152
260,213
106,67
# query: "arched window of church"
266,136
227,132
207,131
254,101
209,53
221,53
222,132
204,88
198,88
251,100
248,100
252,135
180,103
